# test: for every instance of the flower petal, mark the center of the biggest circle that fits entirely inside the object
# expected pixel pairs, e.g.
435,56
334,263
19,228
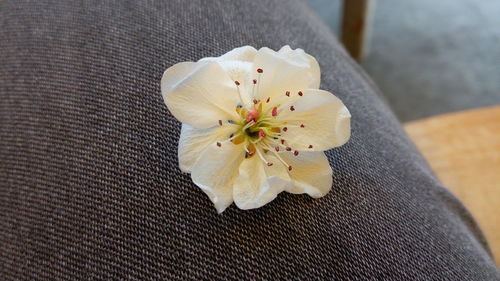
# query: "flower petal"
237,64
245,53
311,173
257,183
199,94
286,70
240,71
193,142
319,121
216,170
300,55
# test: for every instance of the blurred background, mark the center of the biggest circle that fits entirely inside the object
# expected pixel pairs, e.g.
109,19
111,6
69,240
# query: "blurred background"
429,57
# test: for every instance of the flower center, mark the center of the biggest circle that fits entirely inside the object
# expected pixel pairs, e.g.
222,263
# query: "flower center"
259,129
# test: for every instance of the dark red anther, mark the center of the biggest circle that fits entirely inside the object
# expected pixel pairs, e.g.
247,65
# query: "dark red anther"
285,129
262,134
282,141
269,164
255,81
275,111
287,93
260,70
237,83
302,125
300,93
310,146
289,168
219,144
220,122
277,149
288,148
268,99
292,108
295,153
255,101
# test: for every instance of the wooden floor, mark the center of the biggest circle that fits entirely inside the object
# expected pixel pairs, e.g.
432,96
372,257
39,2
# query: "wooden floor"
463,149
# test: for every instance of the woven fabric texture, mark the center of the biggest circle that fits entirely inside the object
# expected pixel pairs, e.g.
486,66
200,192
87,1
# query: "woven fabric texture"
90,187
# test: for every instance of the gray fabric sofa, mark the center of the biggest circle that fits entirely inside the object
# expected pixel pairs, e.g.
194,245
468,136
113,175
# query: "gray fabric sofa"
90,187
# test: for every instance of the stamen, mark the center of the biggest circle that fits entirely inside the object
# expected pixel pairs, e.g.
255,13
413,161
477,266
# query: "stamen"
289,168
302,125
239,92
261,156
292,108
277,149
310,146
295,153
254,93
288,148
250,150
237,139
282,141
300,93
275,111
285,129
268,99
248,125
262,134
277,156
255,101
245,146
287,93
234,137
269,164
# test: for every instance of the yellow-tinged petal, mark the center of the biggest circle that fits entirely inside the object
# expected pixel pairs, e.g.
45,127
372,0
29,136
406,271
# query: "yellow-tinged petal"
199,94
193,142
320,121
245,53
216,170
257,183
311,173
286,70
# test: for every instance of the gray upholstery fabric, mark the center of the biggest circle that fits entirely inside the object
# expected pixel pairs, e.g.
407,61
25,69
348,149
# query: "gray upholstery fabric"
90,184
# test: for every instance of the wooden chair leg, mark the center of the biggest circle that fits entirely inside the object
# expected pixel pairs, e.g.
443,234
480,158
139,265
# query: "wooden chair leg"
355,20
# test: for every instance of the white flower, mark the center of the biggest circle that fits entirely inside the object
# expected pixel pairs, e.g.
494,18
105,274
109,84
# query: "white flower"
255,124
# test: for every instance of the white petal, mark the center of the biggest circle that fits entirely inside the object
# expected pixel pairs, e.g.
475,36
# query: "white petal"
245,53
326,120
240,71
286,70
199,94
300,56
238,63
311,173
193,142
216,170
257,183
